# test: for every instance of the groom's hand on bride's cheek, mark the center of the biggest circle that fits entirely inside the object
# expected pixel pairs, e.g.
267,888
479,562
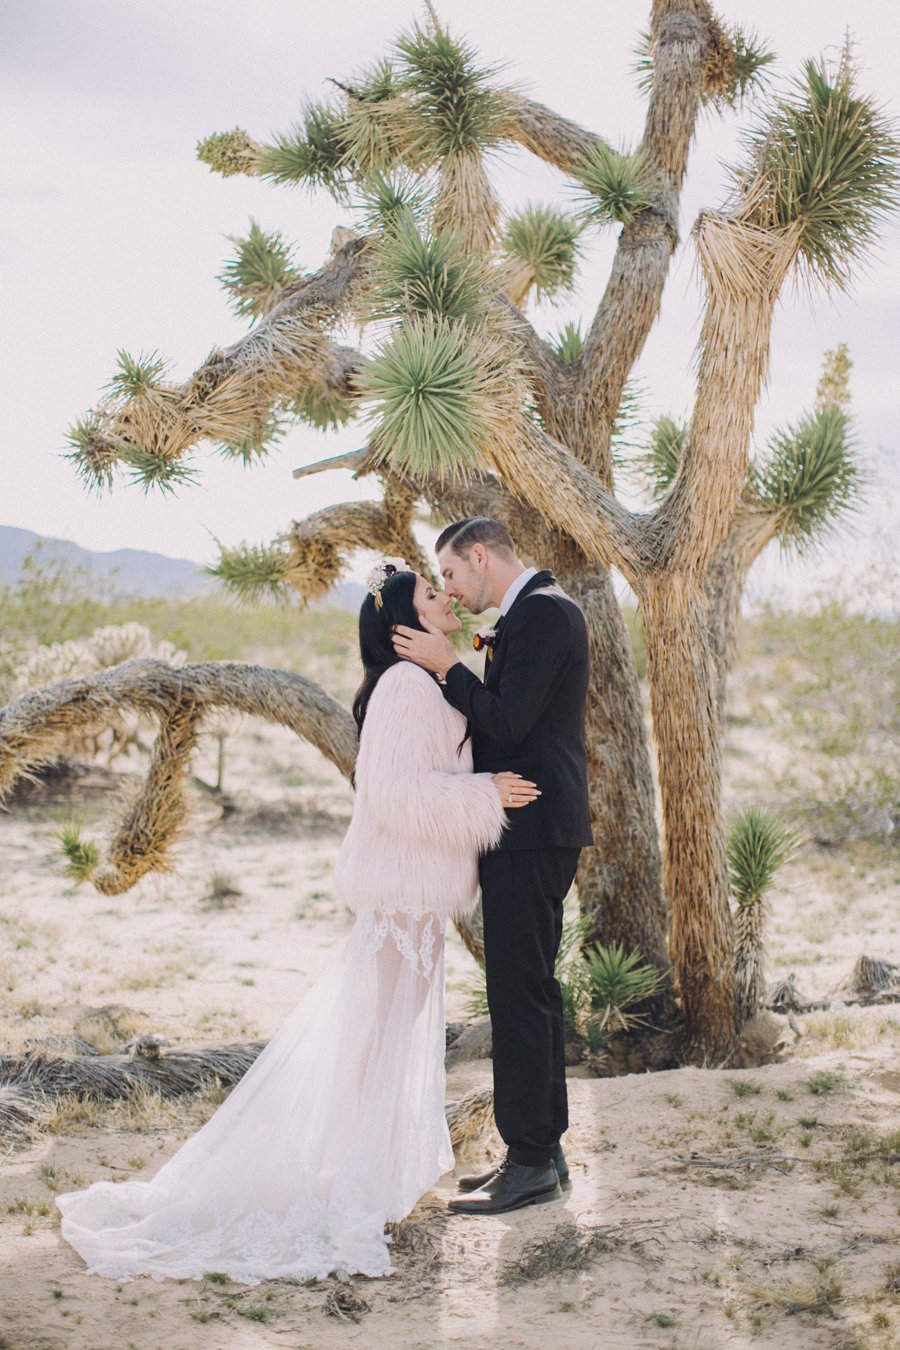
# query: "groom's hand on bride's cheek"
431,650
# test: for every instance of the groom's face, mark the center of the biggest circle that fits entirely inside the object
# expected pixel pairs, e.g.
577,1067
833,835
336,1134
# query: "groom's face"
465,579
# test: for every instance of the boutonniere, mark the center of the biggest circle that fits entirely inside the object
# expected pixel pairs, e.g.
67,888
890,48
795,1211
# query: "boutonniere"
484,640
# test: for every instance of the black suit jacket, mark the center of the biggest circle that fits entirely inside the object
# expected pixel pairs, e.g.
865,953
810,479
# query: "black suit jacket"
528,715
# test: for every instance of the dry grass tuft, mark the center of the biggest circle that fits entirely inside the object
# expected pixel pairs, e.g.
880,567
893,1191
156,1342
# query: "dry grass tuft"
567,1250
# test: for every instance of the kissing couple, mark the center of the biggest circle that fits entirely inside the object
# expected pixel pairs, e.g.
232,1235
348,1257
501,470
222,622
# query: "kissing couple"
338,1127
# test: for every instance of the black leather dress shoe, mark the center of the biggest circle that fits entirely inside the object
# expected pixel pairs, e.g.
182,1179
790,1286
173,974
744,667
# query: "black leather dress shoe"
513,1186
478,1181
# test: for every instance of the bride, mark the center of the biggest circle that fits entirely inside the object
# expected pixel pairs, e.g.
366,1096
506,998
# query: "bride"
338,1126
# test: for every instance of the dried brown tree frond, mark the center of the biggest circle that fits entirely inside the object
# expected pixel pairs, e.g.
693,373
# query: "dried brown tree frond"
470,1117
872,976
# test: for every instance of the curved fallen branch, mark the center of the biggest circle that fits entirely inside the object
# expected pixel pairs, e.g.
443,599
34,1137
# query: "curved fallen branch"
35,727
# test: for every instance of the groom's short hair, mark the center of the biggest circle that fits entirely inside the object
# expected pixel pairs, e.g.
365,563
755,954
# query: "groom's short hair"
476,530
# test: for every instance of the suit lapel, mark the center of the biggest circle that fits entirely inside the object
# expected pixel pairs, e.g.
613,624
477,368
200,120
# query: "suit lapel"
492,667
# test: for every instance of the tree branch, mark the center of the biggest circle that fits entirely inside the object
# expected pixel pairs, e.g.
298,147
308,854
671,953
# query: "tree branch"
235,388
633,294
545,133
744,266
36,726
321,544
543,473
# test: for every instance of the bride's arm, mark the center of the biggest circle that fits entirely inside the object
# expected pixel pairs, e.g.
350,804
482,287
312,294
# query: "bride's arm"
404,737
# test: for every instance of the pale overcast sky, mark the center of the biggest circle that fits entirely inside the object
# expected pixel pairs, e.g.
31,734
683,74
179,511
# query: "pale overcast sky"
113,232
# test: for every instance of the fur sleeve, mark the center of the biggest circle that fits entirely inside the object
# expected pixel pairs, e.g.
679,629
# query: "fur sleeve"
405,736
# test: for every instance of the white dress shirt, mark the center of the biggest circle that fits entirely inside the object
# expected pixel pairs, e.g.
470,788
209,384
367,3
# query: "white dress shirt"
514,587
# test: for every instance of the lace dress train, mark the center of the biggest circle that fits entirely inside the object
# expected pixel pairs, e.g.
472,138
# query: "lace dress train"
336,1129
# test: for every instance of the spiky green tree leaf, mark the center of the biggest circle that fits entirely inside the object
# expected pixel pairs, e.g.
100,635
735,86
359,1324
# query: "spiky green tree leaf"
546,241
136,376
615,185
376,123
251,572
147,470
759,843
456,110
253,443
812,478
93,453
389,200
256,277
568,342
438,389
417,272
82,856
736,66
660,463
745,74
314,151
828,161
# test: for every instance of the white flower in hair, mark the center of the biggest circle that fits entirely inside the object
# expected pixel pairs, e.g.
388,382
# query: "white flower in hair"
384,568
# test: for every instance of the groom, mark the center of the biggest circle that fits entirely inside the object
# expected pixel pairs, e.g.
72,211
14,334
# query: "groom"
527,716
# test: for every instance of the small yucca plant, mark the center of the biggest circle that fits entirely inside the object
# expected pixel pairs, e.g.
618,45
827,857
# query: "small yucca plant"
758,845
615,981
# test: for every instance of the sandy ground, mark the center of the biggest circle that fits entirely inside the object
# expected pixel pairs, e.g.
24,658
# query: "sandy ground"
670,1236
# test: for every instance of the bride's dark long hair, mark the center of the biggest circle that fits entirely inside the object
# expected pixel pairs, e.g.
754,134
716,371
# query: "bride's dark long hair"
375,624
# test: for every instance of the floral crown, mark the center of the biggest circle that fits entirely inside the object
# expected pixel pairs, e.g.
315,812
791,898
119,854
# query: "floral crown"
384,568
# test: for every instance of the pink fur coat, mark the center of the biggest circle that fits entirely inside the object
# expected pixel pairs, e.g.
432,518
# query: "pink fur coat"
421,817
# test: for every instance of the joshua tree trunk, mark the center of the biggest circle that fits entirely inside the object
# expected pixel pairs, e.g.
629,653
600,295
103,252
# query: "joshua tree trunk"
686,727
619,879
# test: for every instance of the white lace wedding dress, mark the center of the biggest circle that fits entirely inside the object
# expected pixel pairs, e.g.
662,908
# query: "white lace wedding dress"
338,1127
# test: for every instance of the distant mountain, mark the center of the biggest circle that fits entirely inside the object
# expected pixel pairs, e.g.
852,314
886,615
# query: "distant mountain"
125,571
130,571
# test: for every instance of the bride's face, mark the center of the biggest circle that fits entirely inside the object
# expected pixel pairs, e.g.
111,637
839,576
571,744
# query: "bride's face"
434,607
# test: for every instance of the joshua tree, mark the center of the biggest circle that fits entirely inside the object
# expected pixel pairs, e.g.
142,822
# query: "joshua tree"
472,411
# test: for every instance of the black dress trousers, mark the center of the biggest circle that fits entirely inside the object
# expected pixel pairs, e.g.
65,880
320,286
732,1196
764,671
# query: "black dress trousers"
523,892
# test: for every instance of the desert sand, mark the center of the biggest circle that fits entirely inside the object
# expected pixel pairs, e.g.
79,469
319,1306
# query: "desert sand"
710,1208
